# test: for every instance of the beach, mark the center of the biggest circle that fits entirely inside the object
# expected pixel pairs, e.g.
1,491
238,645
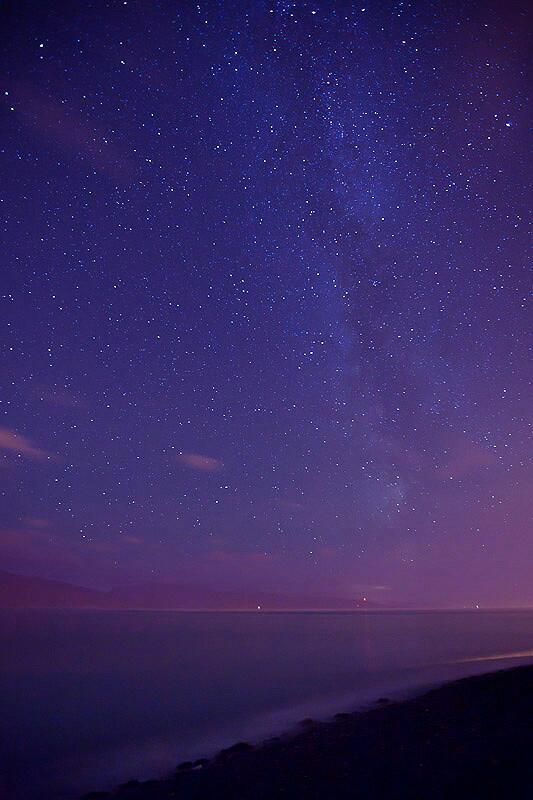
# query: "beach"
470,738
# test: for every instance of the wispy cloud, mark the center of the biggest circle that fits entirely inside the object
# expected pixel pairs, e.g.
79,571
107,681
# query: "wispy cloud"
128,539
57,396
466,458
36,522
200,462
59,122
16,443
27,549
288,505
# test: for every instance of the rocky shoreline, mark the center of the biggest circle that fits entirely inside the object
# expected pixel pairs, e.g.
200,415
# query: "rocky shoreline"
471,738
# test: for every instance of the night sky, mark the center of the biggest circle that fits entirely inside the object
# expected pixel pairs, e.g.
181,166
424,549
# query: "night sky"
265,294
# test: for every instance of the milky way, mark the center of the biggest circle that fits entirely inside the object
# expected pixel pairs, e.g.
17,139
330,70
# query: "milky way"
265,301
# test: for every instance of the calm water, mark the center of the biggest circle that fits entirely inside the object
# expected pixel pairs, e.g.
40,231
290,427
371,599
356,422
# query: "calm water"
89,699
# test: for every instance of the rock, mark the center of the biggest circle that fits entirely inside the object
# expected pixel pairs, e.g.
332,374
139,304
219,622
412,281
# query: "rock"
239,747
185,765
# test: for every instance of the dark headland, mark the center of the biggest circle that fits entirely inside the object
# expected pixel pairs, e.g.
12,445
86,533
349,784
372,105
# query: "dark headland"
471,738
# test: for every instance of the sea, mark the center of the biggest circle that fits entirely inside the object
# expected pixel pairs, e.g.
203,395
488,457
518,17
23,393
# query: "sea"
90,699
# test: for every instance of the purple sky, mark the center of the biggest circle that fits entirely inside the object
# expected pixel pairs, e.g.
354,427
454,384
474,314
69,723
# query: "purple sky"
265,309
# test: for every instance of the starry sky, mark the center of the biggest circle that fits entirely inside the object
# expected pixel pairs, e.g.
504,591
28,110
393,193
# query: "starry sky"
265,297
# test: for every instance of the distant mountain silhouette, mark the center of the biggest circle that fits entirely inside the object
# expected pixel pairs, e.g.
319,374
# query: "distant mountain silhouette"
179,596
22,591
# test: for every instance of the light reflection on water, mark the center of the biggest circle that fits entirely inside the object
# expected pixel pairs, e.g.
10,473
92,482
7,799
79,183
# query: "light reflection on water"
496,657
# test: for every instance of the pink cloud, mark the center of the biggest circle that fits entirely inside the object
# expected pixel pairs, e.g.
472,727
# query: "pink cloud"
289,505
240,559
128,539
58,122
30,548
200,462
16,443
36,522
465,459
59,397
